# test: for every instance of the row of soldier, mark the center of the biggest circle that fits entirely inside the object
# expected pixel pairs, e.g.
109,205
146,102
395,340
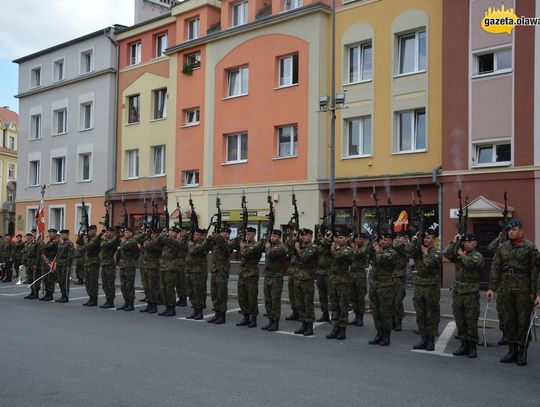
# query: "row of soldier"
339,264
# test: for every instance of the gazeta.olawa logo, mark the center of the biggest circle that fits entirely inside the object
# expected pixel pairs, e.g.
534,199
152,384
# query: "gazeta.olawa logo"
502,20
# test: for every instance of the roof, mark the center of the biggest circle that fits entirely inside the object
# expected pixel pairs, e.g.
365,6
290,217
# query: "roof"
7,115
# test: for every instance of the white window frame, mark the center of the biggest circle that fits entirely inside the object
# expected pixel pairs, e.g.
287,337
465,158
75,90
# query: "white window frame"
132,173
135,53
35,77
414,131
194,59
54,169
31,212
78,215
162,42
56,121
242,75
240,13
32,176
291,145
493,145
130,100
62,224
85,67
12,143
12,171
417,68
59,68
496,70
238,140
360,75
287,71
35,126
361,137
190,179
159,99
193,28
191,117
84,107
80,167
292,4
158,153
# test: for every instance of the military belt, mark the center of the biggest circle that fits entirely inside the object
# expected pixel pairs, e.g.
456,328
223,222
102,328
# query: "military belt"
513,270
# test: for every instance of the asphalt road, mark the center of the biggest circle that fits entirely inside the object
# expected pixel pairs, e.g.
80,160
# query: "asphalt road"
69,355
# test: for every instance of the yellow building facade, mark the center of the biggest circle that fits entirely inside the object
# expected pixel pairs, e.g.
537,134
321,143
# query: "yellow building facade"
9,130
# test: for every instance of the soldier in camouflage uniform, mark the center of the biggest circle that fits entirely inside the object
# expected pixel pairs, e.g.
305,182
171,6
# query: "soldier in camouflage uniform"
398,277
291,271
381,289
109,246
79,262
183,238
197,272
168,265
360,262
514,278
150,253
92,247
465,295
248,276
19,245
323,269
129,253
65,255
33,258
427,291
219,280
340,284
50,251
24,260
7,257
276,257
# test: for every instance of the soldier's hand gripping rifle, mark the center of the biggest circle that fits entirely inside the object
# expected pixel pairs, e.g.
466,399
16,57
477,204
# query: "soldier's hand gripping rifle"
271,215
377,213
295,219
125,220
193,219
504,234
245,218
85,222
217,216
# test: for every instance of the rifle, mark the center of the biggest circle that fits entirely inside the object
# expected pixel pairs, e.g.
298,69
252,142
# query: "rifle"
271,215
217,225
125,220
377,212
166,208
463,218
193,219
332,213
179,213
355,217
245,217
155,215
84,224
145,219
107,217
420,212
390,216
295,219
504,234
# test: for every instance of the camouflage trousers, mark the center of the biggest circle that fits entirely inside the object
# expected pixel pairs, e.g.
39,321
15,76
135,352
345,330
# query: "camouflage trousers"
30,272
290,288
8,268
196,289
49,280
167,284
381,301
515,313
304,293
91,276
322,289
127,283
152,284
399,296
466,309
181,281
36,273
248,290
427,306
358,292
219,290
108,277
273,287
62,278
339,295
16,264
79,269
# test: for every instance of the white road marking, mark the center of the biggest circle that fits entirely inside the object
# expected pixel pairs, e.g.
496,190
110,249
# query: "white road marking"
442,342
293,334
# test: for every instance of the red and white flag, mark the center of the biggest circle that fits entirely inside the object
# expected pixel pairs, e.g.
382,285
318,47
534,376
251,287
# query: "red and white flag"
40,218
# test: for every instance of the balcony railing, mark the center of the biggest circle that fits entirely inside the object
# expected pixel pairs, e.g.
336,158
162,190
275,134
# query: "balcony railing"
264,11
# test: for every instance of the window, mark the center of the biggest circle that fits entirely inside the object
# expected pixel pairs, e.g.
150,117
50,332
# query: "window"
240,13
160,103
11,171
134,108
411,131
358,137
292,4
31,214
85,161
488,154
360,59
60,121
34,172
86,61
288,70
191,178
56,218
35,127
158,160
86,116
194,59
237,147
287,141
193,29
237,81
192,117
132,163
161,44
412,52
135,53
58,170
10,195
58,70
35,77
499,61
12,144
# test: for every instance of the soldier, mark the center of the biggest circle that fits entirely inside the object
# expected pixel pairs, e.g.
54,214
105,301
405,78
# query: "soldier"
276,257
19,245
7,257
398,277
129,253
65,255
79,262
323,269
92,247
381,290
291,271
33,258
29,237
360,262
514,278
492,248
340,284
50,250
168,265
149,266
465,294
109,246
248,276
197,272
183,237
219,281
427,292
307,257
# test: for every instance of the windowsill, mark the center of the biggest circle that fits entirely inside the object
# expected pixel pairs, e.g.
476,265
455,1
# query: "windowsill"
135,64
158,120
162,56
491,74
235,96
131,124
190,125
58,134
285,158
88,129
358,82
35,87
409,152
401,75
82,181
157,175
355,157
59,80
33,186
238,25
58,183
34,139
234,162
490,165
132,178
86,73
292,85
191,186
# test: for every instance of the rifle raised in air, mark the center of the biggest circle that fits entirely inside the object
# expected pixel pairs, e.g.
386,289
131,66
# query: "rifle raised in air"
245,217
271,214
193,219
377,213
85,223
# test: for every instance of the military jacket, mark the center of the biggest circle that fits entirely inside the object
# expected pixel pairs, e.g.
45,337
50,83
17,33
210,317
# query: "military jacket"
92,247
468,269
325,257
150,251
170,250
108,250
129,253
307,261
79,252
401,260
250,255
291,251
34,254
341,260
197,258
383,267
24,257
66,253
427,265
361,258
50,249
514,267
8,249
276,257
18,250
221,253
182,252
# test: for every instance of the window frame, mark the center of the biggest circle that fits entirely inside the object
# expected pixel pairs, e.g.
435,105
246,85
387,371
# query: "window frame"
195,176
292,143
496,71
62,224
82,118
35,127
163,153
240,12
83,62
239,71
360,74
137,106
12,169
135,53
193,59
35,77
293,4
193,27
414,131
239,158
346,152
80,167
59,68
136,165
34,176
31,212
160,47
54,170
196,111
417,57
294,68
56,121
493,162
157,101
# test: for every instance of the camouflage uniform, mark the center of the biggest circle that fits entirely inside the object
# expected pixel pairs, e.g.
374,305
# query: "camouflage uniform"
323,269
340,285
149,266
398,279
291,272
50,251
65,254
359,265
248,276
8,248
307,257
197,273
129,253
276,257
92,247
221,266
33,266
181,272
381,290
79,261
168,265
18,255
108,268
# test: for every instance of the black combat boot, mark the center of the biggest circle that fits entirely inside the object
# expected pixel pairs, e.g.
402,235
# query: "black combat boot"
472,350
199,315
360,321
268,325
48,296
129,306
162,313
108,304
30,296
182,302
213,319
193,314
35,295
422,344
502,341
275,326
341,335
385,340
293,316
244,321
63,299
398,325
92,302
121,308
393,322
253,322
334,333
325,317
521,359
463,349
171,312
143,300
377,338
220,319
511,356
85,304
79,282
309,329
301,330
430,343
145,309
153,308
354,321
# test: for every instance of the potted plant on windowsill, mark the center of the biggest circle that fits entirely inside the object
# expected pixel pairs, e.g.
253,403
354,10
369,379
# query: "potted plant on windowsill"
187,69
